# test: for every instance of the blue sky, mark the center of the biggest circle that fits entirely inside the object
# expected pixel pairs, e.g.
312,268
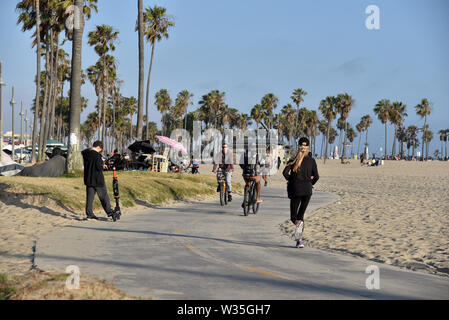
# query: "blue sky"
254,47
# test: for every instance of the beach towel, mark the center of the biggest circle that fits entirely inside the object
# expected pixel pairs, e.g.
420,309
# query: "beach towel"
8,167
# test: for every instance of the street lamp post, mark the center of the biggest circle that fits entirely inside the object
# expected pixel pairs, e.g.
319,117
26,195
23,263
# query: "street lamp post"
13,102
26,128
21,130
1,110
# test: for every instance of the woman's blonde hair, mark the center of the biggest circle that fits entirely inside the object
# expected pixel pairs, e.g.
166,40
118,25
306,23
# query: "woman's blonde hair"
303,151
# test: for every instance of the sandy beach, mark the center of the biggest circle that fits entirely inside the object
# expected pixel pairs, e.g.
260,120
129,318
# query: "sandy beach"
395,214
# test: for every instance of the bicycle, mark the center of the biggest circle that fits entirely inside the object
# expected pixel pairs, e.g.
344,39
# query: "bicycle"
250,198
224,192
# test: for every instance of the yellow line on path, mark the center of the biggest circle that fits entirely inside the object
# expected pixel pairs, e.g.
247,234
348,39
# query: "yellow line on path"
178,231
261,272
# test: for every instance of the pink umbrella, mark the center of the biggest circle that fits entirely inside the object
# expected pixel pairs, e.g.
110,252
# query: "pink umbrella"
172,143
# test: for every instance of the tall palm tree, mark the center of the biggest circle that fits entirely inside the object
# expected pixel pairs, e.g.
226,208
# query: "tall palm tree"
298,97
443,136
163,103
345,104
429,137
367,121
257,114
312,123
423,110
412,132
360,128
322,127
103,38
396,117
382,110
156,24
328,108
182,102
269,103
74,156
351,135
141,37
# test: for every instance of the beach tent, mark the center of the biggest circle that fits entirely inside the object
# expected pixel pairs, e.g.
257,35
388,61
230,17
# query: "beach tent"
52,168
8,167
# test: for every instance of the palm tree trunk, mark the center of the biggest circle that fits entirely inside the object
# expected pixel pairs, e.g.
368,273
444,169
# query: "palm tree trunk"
358,149
105,99
99,102
344,142
393,150
74,155
385,140
44,110
327,139
141,70
38,82
53,104
424,136
148,92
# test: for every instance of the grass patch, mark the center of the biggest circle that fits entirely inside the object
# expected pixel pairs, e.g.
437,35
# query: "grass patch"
6,289
39,285
135,187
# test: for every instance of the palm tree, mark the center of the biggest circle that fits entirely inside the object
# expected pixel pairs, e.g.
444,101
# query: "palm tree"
103,38
182,102
345,104
322,127
423,110
211,105
360,128
74,156
243,121
367,121
412,132
382,110
257,114
351,134
328,108
268,103
298,97
141,36
443,136
289,115
163,103
429,137
396,117
156,24
312,123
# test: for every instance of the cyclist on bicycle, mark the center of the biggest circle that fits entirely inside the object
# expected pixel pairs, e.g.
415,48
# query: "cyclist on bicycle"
225,161
251,171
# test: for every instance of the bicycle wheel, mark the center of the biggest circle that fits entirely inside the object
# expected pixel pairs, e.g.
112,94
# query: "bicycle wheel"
225,194
255,204
246,201
222,195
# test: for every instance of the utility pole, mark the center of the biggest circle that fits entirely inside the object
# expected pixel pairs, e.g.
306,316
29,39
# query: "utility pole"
26,128
1,110
21,130
13,102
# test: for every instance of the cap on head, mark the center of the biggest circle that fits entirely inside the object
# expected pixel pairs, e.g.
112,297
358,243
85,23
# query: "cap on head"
304,142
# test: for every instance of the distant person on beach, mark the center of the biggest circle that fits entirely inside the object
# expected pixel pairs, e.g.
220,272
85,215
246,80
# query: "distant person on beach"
94,180
301,174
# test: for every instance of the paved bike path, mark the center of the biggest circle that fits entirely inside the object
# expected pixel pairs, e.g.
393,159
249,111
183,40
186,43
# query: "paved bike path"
205,251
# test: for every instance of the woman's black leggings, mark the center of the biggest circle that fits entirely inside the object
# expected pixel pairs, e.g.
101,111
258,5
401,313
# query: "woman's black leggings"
298,207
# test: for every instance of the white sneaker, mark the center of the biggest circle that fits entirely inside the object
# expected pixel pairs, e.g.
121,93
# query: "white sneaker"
299,230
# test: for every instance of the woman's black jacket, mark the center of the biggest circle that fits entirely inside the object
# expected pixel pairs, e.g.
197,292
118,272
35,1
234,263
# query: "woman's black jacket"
300,183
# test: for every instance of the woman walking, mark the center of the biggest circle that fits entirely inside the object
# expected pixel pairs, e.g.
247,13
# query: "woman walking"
301,174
